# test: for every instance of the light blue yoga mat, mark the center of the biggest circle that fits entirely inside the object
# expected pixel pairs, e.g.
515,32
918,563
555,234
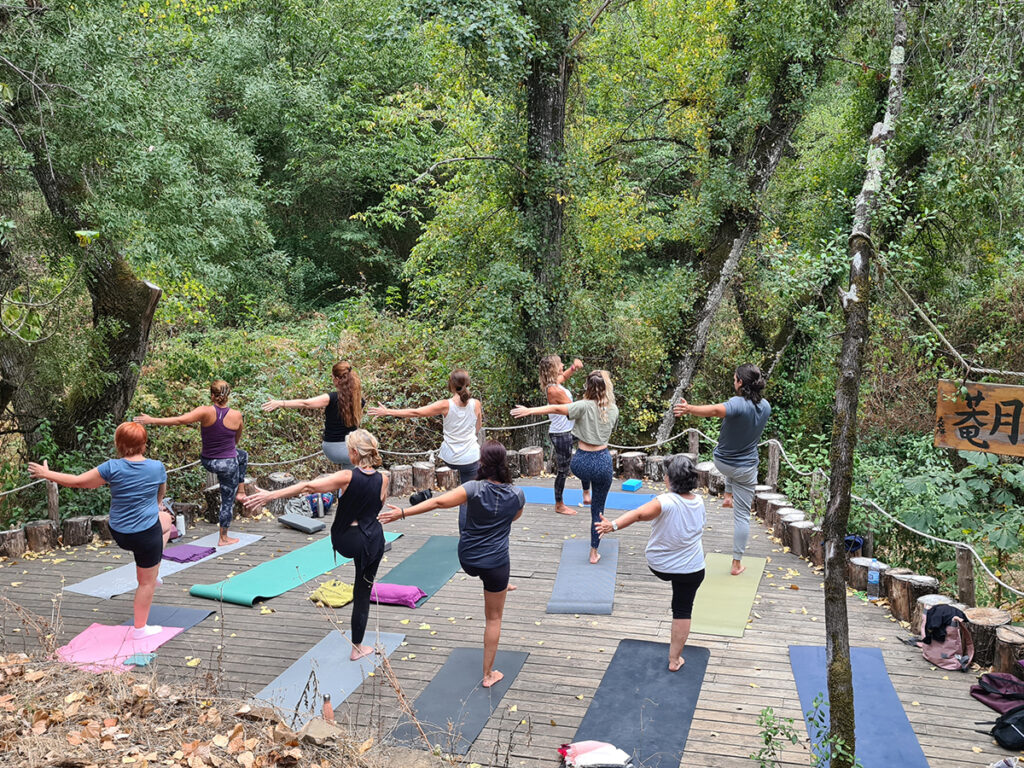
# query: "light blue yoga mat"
429,567
536,494
324,669
884,735
581,587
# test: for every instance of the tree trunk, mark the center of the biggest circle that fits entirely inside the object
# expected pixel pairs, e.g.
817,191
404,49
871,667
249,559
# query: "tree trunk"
844,432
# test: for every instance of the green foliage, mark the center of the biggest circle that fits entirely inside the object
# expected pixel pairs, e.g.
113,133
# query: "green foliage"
775,733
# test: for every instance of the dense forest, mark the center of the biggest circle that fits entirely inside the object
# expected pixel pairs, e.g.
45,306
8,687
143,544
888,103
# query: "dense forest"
253,189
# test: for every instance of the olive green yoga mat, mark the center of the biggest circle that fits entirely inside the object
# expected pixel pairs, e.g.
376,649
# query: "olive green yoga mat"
277,576
724,601
429,567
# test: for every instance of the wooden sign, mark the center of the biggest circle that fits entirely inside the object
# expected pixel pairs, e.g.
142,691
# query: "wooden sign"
990,417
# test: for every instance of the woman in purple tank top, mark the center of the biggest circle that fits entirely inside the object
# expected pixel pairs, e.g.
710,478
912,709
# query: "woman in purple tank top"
220,428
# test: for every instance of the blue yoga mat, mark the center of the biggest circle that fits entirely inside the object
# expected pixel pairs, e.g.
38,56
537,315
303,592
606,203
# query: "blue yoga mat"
581,587
884,735
536,494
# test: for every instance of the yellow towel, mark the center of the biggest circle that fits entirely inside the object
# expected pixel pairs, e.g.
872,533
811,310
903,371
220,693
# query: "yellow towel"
333,593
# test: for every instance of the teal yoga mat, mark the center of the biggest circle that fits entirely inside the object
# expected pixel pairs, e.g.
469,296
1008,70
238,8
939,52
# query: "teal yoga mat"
429,567
277,576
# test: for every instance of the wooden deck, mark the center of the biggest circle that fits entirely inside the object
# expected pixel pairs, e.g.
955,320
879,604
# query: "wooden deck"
245,648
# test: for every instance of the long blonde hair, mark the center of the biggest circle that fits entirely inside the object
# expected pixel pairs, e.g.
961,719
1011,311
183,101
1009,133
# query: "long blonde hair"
363,445
599,389
550,370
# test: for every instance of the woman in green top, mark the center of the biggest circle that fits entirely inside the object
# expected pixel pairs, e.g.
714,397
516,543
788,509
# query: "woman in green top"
594,416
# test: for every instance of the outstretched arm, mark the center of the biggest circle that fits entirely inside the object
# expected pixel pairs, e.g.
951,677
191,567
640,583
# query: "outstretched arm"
438,408
453,498
647,511
320,401
577,364
707,411
338,480
196,414
90,479
539,410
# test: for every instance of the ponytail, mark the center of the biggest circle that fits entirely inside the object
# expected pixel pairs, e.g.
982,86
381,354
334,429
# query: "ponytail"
458,383
751,382
219,391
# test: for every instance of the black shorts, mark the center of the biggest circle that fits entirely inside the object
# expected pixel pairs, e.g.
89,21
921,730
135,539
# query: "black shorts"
684,590
147,546
495,579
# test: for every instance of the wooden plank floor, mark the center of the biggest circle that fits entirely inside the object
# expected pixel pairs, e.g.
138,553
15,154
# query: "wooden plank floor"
244,648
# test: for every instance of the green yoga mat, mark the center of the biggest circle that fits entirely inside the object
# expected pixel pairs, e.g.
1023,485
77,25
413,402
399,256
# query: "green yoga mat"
724,601
429,567
277,576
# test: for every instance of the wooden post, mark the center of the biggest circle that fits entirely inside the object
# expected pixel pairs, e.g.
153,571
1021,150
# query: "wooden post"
531,460
772,507
1009,651
76,531
857,573
53,501
760,505
401,480
886,581
783,520
694,442
965,589
656,468
633,464
800,538
512,458
446,478
41,535
761,488
983,623
275,482
716,482
868,549
704,473
101,527
12,543
774,454
816,550
422,475
907,588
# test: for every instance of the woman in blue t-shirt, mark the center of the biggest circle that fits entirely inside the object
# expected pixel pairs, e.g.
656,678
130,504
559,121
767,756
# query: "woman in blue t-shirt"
743,418
492,505
138,522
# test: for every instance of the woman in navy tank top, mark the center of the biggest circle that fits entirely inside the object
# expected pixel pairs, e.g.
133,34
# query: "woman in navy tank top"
220,428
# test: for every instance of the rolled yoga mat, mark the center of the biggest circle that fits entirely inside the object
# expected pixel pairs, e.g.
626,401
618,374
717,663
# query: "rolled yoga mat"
884,735
454,707
643,708
429,567
121,580
581,587
724,601
536,494
277,576
324,669
173,616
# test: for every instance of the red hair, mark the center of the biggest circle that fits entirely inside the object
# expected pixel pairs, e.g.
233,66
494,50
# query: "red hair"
130,439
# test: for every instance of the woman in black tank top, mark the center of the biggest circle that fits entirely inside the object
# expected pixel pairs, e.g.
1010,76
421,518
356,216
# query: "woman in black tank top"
356,533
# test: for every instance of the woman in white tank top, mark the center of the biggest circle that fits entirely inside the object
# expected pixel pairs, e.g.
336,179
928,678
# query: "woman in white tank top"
553,376
463,418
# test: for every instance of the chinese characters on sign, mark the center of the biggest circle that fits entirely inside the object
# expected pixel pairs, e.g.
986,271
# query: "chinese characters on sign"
987,418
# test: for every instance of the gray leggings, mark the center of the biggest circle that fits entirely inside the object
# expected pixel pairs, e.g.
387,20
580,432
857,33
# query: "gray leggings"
337,453
740,482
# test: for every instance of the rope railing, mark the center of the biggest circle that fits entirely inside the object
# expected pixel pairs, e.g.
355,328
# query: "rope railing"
21,487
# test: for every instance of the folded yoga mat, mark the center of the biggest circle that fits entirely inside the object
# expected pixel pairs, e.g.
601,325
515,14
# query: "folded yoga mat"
100,647
536,494
724,601
883,732
324,669
188,553
173,616
581,587
429,567
643,708
277,576
454,707
120,580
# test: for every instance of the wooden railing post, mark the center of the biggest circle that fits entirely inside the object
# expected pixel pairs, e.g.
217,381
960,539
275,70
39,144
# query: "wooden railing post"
53,501
774,455
694,439
965,576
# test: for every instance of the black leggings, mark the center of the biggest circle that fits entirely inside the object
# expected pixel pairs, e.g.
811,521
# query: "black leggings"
354,543
147,546
684,590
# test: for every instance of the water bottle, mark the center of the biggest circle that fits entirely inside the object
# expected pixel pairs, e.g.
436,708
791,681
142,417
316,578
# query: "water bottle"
874,579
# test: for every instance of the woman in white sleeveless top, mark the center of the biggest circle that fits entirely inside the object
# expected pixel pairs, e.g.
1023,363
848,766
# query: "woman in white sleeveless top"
675,552
553,376
463,418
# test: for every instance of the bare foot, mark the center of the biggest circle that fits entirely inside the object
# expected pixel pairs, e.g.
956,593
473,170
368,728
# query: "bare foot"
727,502
737,568
226,541
675,664
561,509
359,652
594,556
491,678
512,587
586,498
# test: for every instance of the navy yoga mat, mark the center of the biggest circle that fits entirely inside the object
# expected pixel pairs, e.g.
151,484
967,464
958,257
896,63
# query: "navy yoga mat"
454,707
536,494
884,735
429,567
643,708
173,616
581,587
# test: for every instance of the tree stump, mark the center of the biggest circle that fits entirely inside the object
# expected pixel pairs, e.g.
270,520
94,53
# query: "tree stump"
763,489
422,475
401,480
983,623
616,463
772,508
693,457
446,478
716,482
76,531
41,535
924,604
907,588
531,460
886,581
656,468
816,549
703,473
1009,650
275,482
800,537
784,518
633,464
512,458
857,573
13,543
760,505
101,527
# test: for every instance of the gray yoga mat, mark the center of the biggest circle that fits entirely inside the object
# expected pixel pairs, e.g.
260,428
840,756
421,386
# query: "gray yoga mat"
643,708
454,707
173,616
121,580
323,669
581,587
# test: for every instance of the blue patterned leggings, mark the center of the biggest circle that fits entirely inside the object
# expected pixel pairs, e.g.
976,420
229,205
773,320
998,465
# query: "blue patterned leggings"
230,474
595,468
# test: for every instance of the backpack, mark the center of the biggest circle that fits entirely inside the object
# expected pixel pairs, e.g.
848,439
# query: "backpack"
999,690
1008,730
956,651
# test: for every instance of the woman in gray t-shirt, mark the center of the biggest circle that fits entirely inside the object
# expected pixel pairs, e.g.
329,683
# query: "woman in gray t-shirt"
743,419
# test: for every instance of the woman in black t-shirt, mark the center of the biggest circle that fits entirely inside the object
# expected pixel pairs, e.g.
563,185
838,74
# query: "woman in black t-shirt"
343,410
492,504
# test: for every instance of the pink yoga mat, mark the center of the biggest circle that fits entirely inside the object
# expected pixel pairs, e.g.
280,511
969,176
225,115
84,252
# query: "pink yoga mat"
100,647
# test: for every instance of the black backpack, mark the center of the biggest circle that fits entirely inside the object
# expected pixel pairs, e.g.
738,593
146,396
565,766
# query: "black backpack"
1008,730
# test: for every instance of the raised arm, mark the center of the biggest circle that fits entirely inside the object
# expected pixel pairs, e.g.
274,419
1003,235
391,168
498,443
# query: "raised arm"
453,498
338,480
318,402
577,364
196,414
647,511
90,479
683,408
539,410
439,408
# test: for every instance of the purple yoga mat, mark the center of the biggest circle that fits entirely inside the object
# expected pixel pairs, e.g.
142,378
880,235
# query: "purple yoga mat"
187,553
